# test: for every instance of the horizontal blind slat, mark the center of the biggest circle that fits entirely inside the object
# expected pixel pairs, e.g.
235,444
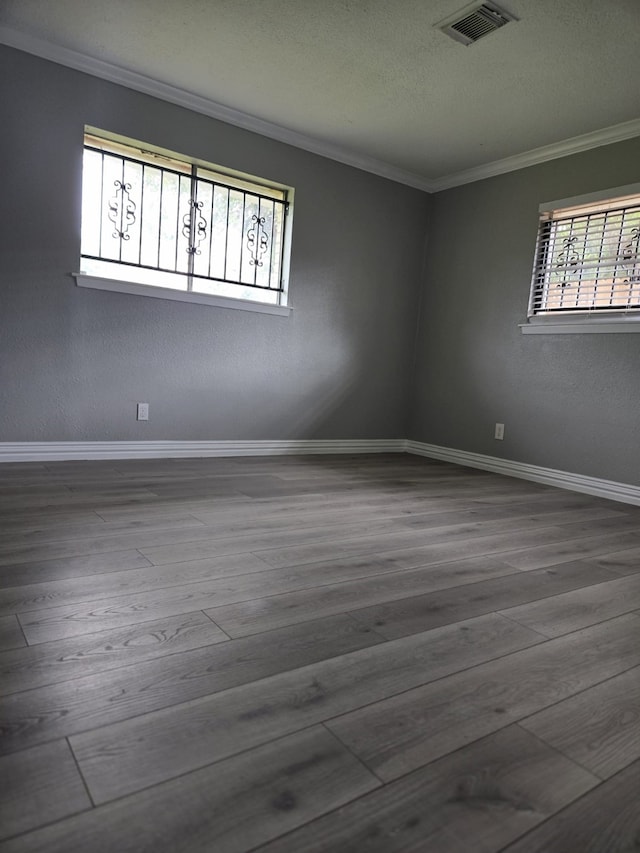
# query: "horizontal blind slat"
588,260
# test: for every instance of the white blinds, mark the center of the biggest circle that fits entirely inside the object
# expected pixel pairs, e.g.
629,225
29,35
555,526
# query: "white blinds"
588,258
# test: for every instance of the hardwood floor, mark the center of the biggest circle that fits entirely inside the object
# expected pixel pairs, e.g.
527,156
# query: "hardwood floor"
353,654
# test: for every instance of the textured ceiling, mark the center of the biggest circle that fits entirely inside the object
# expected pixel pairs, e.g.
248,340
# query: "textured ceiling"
373,77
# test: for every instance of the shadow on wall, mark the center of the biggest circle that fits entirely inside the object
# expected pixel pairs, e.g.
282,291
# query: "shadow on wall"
317,407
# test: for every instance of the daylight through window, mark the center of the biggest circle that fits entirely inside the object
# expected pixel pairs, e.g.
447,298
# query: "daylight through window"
153,219
588,258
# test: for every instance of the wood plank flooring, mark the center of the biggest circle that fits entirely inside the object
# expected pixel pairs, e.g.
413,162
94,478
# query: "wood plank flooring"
304,654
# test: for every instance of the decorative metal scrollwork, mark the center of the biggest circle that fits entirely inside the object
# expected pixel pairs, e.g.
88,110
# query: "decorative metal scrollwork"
568,257
194,227
122,211
257,240
631,256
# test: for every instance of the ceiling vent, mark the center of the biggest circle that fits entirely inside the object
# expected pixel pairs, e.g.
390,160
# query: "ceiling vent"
475,22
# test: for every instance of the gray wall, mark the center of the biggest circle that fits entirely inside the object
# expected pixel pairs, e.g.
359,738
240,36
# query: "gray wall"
570,402
73,362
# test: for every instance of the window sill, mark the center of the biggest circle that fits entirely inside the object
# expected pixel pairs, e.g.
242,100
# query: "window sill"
580,325
98,283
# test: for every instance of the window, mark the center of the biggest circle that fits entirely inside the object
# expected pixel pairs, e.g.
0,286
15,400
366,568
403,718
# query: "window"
155,220
588,257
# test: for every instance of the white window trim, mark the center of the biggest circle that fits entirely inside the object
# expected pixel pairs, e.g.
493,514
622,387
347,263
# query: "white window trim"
583,322
580,325
135,289
96,281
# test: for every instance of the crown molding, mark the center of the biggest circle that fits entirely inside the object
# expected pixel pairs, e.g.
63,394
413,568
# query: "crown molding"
574,145
205,106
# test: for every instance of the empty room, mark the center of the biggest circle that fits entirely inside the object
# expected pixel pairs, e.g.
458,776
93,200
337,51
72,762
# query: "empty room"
319,417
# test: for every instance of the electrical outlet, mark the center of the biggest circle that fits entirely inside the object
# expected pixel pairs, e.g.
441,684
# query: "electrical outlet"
499,433
143,411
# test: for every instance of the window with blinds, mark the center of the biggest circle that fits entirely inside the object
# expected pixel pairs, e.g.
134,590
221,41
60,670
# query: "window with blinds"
588,258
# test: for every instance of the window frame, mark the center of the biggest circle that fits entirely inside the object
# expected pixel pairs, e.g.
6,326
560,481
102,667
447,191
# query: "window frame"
96,271
576,320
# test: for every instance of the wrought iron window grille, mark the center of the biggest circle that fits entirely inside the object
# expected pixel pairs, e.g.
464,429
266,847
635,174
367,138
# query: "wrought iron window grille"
189,222
588,259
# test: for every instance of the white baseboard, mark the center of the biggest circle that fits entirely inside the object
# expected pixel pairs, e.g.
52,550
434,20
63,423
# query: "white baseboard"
52,451
59,451
549,476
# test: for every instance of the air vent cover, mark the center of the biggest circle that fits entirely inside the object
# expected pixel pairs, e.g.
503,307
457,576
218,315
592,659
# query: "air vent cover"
474,22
